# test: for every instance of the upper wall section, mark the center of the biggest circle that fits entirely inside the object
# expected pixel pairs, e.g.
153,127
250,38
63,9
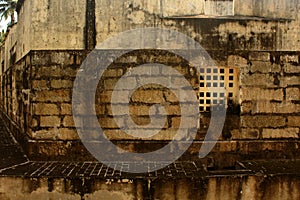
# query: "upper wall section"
56,24
211,24
286,9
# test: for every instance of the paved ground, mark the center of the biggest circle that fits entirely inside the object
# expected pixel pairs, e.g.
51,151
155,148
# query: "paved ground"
13,162
10,152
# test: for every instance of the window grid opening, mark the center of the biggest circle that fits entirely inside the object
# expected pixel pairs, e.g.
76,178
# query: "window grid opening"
213,78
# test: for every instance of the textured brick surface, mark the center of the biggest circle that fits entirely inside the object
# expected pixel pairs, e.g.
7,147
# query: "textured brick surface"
281,133
45,109
261,94
263,121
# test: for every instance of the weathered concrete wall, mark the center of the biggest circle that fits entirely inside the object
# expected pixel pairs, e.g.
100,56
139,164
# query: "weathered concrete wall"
10,48
258,34
268,8
57,25
53,25
213,188
24,29
46,25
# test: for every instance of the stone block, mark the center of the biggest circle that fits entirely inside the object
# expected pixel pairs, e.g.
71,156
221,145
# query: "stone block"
39,84
273,107
111,123
53,96
66,109
293,93
55,71
49,71
289,68
264,80
237,61
141,110
50,121
172,110
121,96
58,84
148,96
170,96
62,58
245,134
129,84
280,133
246,107
117,72
116,134
294,121
46,134
264,67
40,58
100,109
289,58
33,123
289,81
68,121
140,121
127,59
259,121
156,81
67,134
250,93
45,109
260,56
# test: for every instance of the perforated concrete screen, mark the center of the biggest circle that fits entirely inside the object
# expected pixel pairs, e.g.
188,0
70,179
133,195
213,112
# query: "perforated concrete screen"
211,80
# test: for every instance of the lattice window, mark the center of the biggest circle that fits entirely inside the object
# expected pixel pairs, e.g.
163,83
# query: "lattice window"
211,80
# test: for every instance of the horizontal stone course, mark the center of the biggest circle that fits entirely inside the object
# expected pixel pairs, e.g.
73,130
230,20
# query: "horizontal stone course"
259,56
62,95
245,134
56,134
263,80
293,93
280,133
59,84
290,68
68,121
275,107
286,81
66,109
50,121
259,121
45,109
294,121
252,94
264,67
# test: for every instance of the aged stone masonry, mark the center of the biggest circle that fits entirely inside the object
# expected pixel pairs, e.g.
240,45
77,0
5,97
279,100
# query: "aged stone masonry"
24,179
254,43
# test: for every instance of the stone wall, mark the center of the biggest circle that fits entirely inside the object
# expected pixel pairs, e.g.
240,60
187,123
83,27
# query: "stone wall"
38,100
36,91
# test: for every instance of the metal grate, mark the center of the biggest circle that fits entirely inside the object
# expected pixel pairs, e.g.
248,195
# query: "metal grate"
211,80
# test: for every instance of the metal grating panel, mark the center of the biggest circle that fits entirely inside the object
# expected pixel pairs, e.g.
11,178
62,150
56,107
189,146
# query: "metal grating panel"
211,80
